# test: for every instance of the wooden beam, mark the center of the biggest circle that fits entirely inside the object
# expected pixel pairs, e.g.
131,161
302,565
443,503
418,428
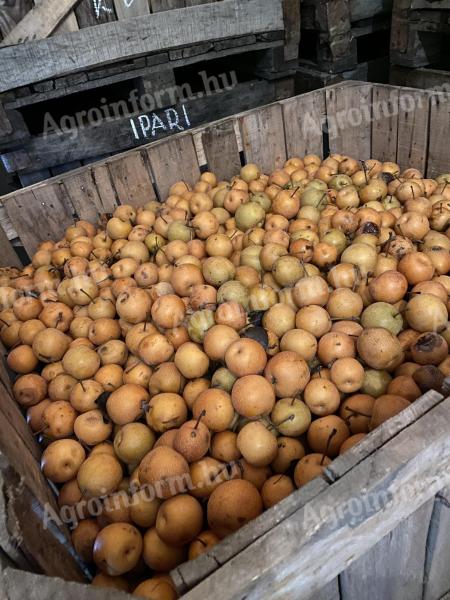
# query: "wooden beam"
122,40
40,22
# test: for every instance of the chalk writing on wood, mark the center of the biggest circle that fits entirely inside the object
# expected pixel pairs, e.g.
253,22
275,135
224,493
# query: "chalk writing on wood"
160,124
99,7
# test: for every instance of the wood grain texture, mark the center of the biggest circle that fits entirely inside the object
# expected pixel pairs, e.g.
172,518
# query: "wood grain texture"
178,151
292,27
82,191
437,574
126,39
304,117
67,24
361,9
221,149
125,9
319,541
41,214
12,14
263,138
8,256
394,567
329,592
39,22
162,5
349,112
18,585
105,187
132,179
385,123
413,127
438,161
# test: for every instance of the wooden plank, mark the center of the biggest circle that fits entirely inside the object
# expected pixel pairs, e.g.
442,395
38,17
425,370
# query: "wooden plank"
95,12
119,134
189,574
6,127
41,214
126,39
126,9
18,585
82,191
221,149
379,436
69,23
329,592
178,151
439,128
105,187
413,129
349,115
304,117
8,256
435,4
385,123
311,547
39,22
292,25
132,179
394,567
263,138
437,574
421,77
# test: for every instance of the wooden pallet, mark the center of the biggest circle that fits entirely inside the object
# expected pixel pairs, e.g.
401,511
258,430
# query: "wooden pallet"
258,38
377,522
335,32
420,30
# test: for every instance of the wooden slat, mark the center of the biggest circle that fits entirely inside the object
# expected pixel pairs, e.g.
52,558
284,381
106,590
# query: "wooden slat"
126,9
82,191
394,567
95,12
8,256
292,26
19,585
304,117
413,129
361,9
126,39
438,160
385,123
105,187
132,180
221,149
40,22
375,439
179,151
41,214
437,573
263,138
329,592
349,115
69,23
12,14
305,551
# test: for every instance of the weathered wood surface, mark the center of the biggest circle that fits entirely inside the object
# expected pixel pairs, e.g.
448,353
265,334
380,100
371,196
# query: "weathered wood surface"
361,9
385,123
117,135
40,22
8,256
438,158
221,149
437,573
304,118
394,567
132,180
421,77
349,117
125,9
90,13
125,39
322,539
292,25
413,127
12,14
263,137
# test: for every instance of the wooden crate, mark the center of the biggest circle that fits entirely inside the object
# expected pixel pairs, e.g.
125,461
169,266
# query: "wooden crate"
420,77
420,32
340,35
138,54
376,524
